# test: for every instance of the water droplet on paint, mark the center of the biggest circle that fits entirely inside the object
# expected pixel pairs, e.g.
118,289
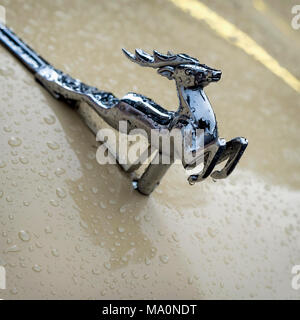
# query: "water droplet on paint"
164,258
9,199
24,235
7,129
121,229
95,271
91,155
54,203
50,119
55,252
23,160
14,291
43,173
89,166
14,141
13,248
37,268
212,233
59,172
123,209
61,193
95,190
102,205
147,261
175,237
2,164
53,145
48,229
107,265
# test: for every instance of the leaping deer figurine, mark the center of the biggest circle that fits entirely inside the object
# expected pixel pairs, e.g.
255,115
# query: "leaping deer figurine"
194,112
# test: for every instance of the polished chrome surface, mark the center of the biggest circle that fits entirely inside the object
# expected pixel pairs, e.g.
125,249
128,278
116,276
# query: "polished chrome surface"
194,112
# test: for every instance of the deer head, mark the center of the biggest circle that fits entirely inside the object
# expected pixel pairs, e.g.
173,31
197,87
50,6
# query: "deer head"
188,72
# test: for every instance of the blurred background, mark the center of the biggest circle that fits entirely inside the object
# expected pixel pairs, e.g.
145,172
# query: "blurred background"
71,228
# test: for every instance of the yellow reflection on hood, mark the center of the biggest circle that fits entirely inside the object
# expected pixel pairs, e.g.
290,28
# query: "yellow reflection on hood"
237,37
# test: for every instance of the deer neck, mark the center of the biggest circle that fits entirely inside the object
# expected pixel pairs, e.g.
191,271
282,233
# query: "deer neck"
184,108
194,105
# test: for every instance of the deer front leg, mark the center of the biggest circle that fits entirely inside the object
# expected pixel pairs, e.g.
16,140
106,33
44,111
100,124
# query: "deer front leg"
221,151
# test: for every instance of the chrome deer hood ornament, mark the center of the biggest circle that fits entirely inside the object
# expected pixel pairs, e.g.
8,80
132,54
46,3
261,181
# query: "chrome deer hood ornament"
194,115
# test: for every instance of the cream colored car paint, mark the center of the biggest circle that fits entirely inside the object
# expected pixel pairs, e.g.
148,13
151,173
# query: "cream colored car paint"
71,228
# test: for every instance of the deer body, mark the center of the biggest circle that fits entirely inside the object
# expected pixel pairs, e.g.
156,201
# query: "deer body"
194,112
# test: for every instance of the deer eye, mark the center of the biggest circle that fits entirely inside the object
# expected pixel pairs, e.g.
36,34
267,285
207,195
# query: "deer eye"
188,72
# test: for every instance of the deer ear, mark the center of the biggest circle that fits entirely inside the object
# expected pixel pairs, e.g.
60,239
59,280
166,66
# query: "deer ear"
167,72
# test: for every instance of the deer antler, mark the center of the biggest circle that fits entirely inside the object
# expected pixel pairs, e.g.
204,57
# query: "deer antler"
158,59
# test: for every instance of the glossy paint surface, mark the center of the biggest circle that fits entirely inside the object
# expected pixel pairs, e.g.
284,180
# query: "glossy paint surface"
71,228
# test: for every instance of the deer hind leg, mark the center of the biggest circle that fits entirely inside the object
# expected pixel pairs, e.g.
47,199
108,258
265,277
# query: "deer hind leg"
152,176
211,157
234,150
